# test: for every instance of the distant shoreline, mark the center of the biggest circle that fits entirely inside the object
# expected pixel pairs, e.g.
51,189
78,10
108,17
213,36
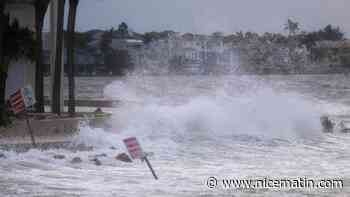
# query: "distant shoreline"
324,71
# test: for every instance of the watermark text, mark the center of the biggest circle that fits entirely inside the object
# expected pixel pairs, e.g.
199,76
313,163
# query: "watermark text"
267,183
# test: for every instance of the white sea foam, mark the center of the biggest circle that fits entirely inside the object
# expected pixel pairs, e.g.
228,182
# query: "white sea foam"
262,112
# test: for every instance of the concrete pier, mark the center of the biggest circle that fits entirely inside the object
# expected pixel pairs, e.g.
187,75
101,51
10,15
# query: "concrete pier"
47,132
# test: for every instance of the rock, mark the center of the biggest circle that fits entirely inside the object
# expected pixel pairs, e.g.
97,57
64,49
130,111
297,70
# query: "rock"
97,162
101,155
76,160
2,156
123,157
59,157
327,124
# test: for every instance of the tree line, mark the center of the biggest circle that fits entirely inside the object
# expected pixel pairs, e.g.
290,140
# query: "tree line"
257,49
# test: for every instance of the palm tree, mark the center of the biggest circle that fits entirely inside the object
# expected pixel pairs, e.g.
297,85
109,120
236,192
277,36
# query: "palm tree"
2,25
292,27
56,90
40,10
2,73
19,43
73,4
123,30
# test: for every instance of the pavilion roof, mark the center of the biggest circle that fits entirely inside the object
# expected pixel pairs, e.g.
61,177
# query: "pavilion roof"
20,1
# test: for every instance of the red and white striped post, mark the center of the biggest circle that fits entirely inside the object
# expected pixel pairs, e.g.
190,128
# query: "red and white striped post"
136,152
19,101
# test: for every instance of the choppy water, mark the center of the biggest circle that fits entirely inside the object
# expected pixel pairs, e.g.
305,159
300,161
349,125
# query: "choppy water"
198,127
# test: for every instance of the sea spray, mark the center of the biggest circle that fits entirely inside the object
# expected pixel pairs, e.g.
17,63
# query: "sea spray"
207,111
96,138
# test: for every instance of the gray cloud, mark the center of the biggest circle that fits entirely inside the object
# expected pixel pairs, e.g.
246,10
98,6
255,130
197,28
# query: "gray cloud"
206,16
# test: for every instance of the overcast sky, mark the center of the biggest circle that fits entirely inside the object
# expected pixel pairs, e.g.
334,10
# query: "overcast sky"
207,16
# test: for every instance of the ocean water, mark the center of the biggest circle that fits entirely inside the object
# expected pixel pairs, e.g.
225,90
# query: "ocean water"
227,127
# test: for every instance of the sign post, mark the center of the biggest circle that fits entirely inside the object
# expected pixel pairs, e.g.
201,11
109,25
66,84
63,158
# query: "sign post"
20,100
136,152
150,167
31,133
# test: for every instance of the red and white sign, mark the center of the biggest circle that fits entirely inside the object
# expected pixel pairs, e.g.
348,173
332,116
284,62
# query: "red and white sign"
133,147
17,102
136,152
22,99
